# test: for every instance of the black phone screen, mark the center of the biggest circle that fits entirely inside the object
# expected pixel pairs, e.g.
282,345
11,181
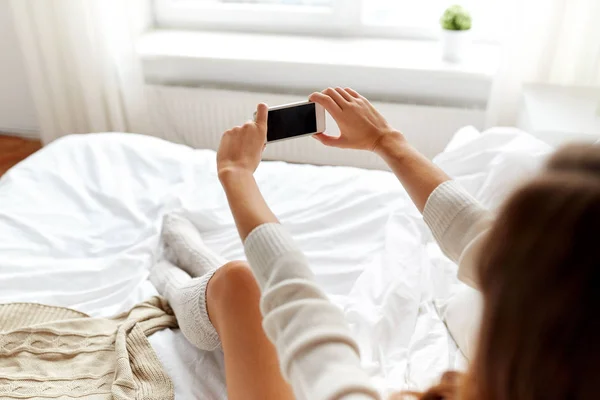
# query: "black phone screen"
290,122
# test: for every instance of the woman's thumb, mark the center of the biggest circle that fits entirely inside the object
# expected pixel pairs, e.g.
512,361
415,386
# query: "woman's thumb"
262,112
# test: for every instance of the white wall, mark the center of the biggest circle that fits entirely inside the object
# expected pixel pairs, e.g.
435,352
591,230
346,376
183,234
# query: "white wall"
17,111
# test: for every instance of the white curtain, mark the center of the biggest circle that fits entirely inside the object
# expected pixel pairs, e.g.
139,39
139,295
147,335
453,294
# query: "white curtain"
82,65
545,41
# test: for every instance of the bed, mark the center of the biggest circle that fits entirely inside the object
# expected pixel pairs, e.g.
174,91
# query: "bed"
80,223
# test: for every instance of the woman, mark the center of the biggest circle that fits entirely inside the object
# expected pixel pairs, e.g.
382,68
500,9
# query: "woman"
537,266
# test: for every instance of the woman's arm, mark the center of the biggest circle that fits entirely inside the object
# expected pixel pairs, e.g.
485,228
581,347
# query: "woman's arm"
458,221
240,152
315,348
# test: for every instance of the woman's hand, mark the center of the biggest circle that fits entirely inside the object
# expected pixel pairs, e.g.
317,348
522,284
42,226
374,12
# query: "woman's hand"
362,126
238,157
241,147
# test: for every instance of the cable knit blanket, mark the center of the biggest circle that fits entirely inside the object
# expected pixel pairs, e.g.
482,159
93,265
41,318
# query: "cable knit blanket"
58,353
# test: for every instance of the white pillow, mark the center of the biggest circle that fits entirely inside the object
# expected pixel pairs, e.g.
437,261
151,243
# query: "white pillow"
491,164
462,315
461,137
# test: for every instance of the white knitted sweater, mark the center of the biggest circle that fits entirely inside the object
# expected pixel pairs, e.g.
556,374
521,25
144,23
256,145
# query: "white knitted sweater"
317,353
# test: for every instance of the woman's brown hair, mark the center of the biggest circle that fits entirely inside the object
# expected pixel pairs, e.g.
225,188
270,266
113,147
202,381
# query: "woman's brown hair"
539,274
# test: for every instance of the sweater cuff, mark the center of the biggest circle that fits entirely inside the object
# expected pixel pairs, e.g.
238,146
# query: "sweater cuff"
443,206
265,244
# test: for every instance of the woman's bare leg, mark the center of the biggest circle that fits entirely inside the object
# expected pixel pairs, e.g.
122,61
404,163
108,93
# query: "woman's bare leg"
251,365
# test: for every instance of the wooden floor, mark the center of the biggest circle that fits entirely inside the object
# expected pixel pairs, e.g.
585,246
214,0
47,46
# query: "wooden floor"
14,149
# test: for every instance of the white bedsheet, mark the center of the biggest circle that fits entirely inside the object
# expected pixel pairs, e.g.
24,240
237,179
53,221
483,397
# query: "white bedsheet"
80,222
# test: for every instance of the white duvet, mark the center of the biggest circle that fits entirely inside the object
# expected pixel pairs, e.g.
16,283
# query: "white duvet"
80,223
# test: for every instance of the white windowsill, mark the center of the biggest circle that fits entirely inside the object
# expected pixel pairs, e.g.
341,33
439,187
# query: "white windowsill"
385,69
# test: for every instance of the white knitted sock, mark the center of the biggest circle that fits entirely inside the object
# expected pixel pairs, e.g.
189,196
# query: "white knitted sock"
184,247
187,297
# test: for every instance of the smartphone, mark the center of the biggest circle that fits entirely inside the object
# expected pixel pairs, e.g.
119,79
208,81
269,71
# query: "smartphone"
294,120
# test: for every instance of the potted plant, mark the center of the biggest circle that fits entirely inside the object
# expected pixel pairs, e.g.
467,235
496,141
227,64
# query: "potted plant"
456,33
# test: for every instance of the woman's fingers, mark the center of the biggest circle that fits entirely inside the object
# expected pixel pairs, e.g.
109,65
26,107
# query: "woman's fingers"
353,93
340,101
330,140
327,102
335,100
344,94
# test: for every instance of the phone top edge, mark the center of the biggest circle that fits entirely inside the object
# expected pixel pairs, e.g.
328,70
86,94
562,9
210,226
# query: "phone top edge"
291,105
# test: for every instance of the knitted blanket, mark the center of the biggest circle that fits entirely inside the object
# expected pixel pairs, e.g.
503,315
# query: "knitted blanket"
58,353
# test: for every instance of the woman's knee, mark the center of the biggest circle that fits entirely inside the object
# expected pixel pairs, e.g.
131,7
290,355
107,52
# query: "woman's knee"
232,284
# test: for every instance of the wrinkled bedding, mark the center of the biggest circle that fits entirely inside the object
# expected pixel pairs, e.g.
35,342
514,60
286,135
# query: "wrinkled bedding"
80,223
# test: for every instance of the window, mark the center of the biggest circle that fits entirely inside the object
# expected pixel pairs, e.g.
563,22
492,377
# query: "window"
381,18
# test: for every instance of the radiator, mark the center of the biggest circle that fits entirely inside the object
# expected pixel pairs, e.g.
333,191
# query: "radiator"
198,116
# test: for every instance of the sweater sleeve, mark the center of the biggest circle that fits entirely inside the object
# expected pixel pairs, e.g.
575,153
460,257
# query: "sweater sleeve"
459,225
316,351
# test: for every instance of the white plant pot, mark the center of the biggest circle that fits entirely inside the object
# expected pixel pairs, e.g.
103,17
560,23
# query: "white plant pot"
456,45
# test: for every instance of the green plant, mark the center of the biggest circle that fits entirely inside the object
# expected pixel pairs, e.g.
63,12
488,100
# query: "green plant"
456,18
